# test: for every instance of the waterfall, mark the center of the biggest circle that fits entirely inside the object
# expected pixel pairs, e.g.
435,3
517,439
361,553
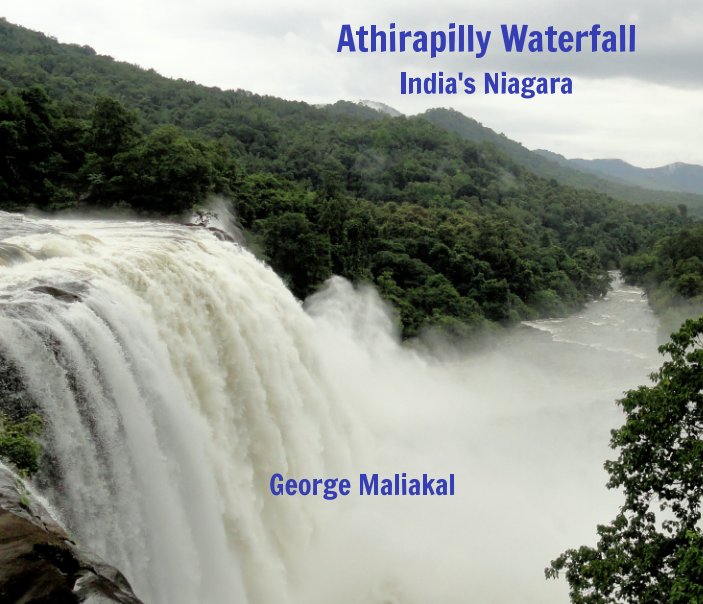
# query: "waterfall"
176,374
181,380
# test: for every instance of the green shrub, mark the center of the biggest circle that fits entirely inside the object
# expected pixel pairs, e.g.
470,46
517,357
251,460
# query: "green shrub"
18,445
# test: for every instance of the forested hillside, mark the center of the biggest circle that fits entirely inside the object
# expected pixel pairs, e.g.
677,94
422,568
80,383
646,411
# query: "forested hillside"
455,233
564,171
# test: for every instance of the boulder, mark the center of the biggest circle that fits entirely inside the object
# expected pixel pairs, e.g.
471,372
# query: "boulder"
41,564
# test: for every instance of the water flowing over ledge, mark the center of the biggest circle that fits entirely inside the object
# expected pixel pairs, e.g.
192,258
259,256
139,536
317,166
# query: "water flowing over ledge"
40,562
176,374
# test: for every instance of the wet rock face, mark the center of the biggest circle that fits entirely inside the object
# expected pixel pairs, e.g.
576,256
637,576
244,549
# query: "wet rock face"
219,233
40,564
59,294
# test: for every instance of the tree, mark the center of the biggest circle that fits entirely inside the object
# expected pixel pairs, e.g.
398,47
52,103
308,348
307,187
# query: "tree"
166,172
113,128
653,551
297,252
26,143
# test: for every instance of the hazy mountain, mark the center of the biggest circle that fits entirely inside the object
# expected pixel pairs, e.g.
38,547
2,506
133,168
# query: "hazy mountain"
684,178
678,177
552,165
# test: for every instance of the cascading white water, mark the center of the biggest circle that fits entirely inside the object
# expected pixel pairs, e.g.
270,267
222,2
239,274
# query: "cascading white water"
185,374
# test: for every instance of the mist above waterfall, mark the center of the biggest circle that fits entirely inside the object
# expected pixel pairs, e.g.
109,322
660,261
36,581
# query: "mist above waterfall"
524,424
184,374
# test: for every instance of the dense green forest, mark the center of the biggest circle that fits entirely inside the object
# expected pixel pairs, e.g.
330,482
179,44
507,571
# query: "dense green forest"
455,233
671,271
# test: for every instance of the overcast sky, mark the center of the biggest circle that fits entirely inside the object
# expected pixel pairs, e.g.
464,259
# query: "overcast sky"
646,107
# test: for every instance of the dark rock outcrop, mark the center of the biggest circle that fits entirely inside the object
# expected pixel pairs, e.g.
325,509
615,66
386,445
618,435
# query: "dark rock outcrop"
40,564
219,233
222,235
59,294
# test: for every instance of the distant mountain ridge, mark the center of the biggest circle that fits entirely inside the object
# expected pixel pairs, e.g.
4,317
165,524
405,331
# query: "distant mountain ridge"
552,165
679,177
